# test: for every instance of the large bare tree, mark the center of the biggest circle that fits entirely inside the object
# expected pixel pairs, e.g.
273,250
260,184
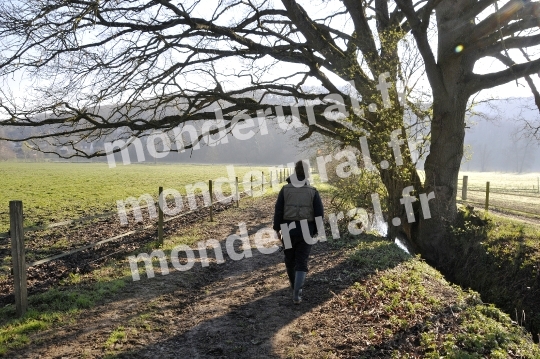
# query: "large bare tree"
93,68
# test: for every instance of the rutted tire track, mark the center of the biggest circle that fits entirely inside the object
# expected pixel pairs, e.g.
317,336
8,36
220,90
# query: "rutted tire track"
42,277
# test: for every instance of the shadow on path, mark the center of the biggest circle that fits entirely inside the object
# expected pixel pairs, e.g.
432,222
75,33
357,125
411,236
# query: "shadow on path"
250,326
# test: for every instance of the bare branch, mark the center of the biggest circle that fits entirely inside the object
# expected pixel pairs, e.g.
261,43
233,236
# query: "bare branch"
481,82
419,32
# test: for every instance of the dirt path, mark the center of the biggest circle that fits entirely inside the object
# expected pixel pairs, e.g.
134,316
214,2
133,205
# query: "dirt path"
238,309
528,220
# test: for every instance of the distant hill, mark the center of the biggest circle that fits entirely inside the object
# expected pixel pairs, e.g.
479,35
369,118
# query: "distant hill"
497,140
494,141
274,147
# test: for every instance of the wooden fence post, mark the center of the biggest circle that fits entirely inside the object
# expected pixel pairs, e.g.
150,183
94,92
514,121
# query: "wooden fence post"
211,201
487,196
538,184
161,202
17,256
464,188
262,182
237,194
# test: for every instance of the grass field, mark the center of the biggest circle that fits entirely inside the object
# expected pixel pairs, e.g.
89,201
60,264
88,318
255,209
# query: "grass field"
526,183
54,192
508,191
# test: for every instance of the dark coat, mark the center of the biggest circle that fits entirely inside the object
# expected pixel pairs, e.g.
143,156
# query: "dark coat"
318,211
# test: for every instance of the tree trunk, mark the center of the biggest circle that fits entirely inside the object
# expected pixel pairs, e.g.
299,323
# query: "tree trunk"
451,93
395,179
395,182
442,170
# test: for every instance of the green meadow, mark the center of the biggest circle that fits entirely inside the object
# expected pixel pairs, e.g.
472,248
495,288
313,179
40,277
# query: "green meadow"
55,192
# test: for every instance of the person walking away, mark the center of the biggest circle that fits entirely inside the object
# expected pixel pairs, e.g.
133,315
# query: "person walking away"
297,201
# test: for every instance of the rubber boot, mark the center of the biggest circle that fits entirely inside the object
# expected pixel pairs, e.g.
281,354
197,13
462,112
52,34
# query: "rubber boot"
299,280
290,273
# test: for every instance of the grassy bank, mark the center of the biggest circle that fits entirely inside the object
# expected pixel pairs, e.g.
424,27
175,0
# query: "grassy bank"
500,258
59,306
404,308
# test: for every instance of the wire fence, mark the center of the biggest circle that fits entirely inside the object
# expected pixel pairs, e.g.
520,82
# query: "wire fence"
519,197
17,232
